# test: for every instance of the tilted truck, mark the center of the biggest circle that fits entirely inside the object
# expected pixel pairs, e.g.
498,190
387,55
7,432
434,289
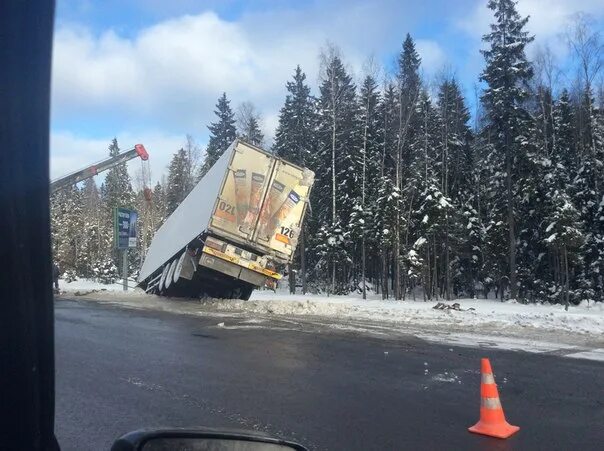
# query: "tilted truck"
232,232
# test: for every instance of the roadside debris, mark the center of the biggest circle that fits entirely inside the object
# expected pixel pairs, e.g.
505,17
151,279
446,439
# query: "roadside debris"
454,306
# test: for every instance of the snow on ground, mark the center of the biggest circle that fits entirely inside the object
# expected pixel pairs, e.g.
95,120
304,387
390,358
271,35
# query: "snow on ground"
481,322
86,285
587,319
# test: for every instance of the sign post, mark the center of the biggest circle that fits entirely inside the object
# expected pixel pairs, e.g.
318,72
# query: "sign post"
125,268
125,229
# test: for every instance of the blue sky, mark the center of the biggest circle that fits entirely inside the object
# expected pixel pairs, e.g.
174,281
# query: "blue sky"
150,71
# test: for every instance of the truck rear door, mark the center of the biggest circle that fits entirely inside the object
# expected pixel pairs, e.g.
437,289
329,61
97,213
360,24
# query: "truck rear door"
280,220
240,200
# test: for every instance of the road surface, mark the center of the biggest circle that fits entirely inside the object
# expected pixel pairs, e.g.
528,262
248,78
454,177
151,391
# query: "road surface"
120,370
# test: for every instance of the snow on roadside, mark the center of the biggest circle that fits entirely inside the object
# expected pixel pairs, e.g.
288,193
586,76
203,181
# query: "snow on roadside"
585,319
87,285
488,314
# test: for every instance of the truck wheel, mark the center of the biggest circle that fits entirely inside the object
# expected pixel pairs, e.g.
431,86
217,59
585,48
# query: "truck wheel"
246,292
180,261
170,275
162,281
242,292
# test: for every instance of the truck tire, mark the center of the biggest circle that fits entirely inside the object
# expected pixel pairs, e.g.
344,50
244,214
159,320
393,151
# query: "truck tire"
180,261
246,292
170,275
242,292
162,280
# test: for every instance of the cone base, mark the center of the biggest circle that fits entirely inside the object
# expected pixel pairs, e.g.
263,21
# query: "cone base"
503,430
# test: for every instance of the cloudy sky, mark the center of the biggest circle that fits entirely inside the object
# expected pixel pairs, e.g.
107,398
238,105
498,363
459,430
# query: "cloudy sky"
151,71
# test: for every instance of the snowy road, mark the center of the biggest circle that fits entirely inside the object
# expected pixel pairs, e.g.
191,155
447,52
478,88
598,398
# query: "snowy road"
120,369
576,333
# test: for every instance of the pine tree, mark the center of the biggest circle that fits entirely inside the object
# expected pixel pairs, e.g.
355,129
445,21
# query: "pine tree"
67,231
564,236
458,183
589,199
116,191
336,167
180,180
408,90
388,191
432,208
295,133
370,123
94,244
160,209
222,134
295,140
565,152
507,73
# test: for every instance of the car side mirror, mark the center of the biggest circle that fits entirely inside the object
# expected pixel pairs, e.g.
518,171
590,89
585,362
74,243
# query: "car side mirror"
201,440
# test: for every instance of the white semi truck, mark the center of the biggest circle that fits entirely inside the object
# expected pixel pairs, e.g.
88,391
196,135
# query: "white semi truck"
233,231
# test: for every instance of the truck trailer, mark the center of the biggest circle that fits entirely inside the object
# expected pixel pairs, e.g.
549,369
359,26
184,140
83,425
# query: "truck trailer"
234,230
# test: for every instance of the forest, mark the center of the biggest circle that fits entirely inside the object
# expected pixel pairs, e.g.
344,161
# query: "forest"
420,193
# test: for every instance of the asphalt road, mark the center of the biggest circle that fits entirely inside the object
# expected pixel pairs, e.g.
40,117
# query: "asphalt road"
120,370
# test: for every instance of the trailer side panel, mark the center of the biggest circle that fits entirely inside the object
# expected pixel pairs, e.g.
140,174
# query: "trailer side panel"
188,220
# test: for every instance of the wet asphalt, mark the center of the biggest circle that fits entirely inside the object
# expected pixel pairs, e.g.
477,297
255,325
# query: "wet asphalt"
119,370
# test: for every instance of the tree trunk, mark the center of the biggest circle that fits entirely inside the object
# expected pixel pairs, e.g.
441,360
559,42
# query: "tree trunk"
511,221
302,246
363,256
333,188
435,266
447,262
291,279
566,284
384,274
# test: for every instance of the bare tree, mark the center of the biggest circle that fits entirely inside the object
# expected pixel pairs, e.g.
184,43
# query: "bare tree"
546,78
194,155
248,124
586,43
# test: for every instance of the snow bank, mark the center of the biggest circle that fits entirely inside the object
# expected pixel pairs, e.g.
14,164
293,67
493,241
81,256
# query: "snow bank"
82,286
580,319
484,314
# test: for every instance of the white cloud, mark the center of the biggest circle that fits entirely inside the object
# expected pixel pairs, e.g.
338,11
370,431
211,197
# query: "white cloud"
548,18
170,74
165,78
432,54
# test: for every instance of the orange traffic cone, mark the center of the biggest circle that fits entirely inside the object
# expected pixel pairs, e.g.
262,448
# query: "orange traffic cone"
492,420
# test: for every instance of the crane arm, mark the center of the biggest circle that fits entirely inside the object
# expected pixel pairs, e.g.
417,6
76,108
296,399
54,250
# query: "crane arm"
92,170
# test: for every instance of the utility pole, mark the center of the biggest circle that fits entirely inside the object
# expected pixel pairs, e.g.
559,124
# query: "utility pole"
125,268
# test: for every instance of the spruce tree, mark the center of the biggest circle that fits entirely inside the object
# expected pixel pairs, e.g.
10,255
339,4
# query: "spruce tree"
160,207
180,182
116,191
507,73
457,182
295,133
94,244
295,140
222,134
387,212
370,128
337,167
67,231
408,90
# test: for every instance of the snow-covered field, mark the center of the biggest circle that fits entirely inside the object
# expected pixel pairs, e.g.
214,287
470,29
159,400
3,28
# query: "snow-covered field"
583,319
85,285
533,325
